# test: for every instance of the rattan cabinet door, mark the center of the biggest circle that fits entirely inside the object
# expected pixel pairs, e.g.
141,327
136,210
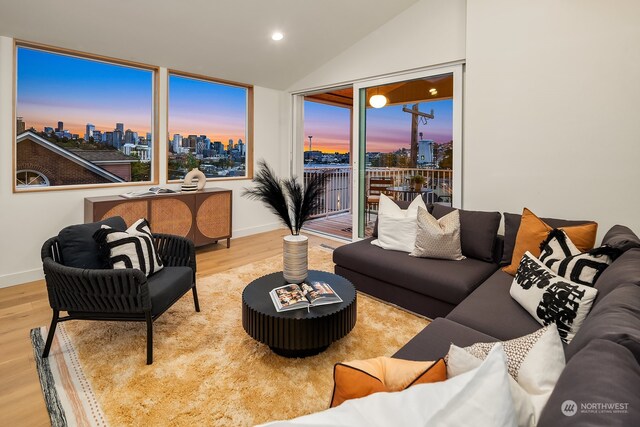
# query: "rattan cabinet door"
172,215
213,217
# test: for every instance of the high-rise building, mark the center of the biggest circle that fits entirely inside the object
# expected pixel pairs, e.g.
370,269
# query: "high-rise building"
118,138
130,137
241,148
20,126
193,141
48,130
230,145
148,138
89,131
60,127
120,127
218,148
97,136
107,138
176,143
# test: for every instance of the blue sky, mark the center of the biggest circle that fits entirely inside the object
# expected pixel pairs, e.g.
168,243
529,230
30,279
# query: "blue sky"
53,87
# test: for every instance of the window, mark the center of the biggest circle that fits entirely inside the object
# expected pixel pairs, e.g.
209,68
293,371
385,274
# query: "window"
82,120
209,126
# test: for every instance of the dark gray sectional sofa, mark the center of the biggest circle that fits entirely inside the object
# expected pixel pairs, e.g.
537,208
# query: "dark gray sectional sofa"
469,301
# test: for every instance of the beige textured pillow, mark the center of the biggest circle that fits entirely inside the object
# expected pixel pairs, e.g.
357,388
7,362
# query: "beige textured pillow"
438,238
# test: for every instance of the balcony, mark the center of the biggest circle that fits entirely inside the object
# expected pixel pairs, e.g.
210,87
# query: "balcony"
334,213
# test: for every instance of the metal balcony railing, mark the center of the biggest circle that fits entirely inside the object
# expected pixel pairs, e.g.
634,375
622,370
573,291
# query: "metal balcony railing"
337,195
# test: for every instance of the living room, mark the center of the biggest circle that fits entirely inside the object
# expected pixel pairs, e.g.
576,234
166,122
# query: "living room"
547,121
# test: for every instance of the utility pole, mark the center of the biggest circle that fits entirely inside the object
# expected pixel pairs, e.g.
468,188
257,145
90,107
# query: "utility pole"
415,116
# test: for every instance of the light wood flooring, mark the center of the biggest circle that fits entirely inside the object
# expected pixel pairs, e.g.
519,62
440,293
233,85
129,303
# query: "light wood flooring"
26,306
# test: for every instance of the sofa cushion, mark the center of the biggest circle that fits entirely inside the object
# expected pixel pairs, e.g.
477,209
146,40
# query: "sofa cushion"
603,373
533,232
478,231
625,269
512,224
77,247
616,318
449,281
403,205
167,286
488,306
435,339
622,238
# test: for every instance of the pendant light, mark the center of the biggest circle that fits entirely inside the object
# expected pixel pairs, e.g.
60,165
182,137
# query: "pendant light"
377,100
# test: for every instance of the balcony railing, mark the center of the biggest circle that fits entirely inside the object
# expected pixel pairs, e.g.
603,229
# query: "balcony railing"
337,194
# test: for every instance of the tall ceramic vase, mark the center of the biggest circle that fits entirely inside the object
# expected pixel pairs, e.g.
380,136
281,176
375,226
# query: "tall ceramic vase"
295,258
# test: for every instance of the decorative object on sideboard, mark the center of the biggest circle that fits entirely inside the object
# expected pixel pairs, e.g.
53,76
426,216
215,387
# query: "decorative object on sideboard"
189,188
293,204
194,174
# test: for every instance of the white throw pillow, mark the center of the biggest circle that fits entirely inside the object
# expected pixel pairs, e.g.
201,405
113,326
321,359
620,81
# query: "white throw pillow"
397,226
550,298
481,395
535,362
438,238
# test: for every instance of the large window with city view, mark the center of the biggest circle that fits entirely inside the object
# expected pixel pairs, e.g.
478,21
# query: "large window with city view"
209,124
81,120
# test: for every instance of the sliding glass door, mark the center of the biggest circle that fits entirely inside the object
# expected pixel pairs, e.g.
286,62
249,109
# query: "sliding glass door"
407,142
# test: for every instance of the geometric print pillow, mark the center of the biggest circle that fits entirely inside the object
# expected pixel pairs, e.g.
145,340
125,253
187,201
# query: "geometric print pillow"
550,298
560,255
134,248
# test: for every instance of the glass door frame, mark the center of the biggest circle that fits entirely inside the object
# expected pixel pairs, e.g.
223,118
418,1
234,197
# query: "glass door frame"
359,168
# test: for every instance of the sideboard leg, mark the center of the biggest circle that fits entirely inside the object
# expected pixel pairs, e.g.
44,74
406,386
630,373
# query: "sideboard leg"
228,242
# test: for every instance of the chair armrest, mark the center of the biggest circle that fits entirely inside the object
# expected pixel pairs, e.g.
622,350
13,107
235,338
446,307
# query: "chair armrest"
176,251
104,291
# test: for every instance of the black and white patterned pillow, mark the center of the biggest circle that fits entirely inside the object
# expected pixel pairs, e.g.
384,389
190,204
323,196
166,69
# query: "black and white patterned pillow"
550,298
133,248
560,255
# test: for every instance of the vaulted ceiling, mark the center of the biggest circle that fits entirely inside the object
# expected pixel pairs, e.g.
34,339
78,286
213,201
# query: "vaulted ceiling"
228,39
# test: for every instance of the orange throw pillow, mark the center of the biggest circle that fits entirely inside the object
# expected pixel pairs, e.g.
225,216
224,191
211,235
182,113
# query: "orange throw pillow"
533,231
360,378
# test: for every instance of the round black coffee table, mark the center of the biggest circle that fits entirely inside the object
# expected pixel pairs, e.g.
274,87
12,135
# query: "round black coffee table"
298,333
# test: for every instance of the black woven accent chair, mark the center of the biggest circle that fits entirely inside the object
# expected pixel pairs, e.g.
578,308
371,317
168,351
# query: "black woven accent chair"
119,294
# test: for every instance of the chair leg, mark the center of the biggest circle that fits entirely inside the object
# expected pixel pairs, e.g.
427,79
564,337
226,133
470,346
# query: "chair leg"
195,298
149,338
52,331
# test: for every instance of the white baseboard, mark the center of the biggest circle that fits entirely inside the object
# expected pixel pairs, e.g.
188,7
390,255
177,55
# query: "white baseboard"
13,279
242,232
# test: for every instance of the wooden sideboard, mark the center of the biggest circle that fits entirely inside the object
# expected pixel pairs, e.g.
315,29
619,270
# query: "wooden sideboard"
203,216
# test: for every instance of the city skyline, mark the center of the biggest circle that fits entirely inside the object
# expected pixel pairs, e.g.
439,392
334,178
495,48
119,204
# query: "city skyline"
199,107
388,128
54,87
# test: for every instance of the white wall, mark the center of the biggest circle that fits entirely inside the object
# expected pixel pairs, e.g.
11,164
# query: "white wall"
27,220
552,109
428,33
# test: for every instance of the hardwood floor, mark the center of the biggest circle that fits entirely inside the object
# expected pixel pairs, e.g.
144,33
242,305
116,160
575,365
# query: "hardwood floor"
26,306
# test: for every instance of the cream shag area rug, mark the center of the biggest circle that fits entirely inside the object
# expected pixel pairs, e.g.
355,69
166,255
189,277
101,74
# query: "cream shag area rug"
206,369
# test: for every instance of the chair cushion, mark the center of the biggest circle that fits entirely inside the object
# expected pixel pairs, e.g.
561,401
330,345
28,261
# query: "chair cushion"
625,269
512,224
449,281
488,306
434,340
80,250
621,237
478,231
604,373
616,318
167,286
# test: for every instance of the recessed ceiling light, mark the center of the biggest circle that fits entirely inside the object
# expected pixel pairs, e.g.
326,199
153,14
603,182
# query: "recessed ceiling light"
277,36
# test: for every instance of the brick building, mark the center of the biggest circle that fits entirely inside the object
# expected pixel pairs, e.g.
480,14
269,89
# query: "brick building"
56,165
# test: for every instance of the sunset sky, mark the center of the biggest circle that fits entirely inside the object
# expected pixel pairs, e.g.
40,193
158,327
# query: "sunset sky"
54,87
205,108
388,128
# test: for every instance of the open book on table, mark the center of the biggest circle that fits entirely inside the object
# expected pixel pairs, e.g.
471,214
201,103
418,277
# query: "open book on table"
150,192
304,295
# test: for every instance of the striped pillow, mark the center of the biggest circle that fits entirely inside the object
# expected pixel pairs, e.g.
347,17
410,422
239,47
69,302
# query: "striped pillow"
133,248
560,255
